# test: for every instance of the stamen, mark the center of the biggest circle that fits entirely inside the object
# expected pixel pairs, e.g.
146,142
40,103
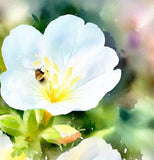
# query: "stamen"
47,62
36,63
67,76
55,79
56,68
73,81
69,72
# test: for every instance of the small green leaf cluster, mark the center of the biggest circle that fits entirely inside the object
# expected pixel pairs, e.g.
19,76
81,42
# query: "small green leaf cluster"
28,132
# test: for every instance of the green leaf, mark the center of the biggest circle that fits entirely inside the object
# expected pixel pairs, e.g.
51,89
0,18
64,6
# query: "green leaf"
20,146
34,151
30,122
50,121
39,115
30,149
51,135
11,124
2,65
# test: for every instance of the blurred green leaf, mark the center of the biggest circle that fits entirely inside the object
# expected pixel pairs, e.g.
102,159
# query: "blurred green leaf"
118,142
103,116
35,18
101,133
132,129
11,124
30,122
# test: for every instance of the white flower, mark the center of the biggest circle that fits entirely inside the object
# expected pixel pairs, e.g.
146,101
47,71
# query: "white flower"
6,149
93,148
75,70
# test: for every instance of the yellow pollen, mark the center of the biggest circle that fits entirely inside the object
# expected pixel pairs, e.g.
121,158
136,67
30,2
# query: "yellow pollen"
47,62
56,68
36,63
58,87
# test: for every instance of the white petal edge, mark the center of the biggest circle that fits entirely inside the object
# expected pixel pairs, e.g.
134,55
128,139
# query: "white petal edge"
20,46
93,148
19,89
93,91
96,64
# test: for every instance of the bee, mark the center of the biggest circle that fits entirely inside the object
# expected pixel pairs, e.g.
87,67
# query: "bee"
39,75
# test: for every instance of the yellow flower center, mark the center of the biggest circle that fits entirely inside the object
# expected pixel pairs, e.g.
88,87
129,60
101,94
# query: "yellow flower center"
57,87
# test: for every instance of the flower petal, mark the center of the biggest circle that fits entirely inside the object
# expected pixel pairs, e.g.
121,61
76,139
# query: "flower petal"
93,91
5,141
58,108
67,36
93,148
89,43
95,64
21,46
19,89
60,38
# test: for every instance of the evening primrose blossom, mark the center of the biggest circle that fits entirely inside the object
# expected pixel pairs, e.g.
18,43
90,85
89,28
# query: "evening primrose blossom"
93,148
6,149
66,69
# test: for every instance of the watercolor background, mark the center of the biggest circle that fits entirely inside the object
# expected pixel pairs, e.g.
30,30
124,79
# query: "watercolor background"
129,29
